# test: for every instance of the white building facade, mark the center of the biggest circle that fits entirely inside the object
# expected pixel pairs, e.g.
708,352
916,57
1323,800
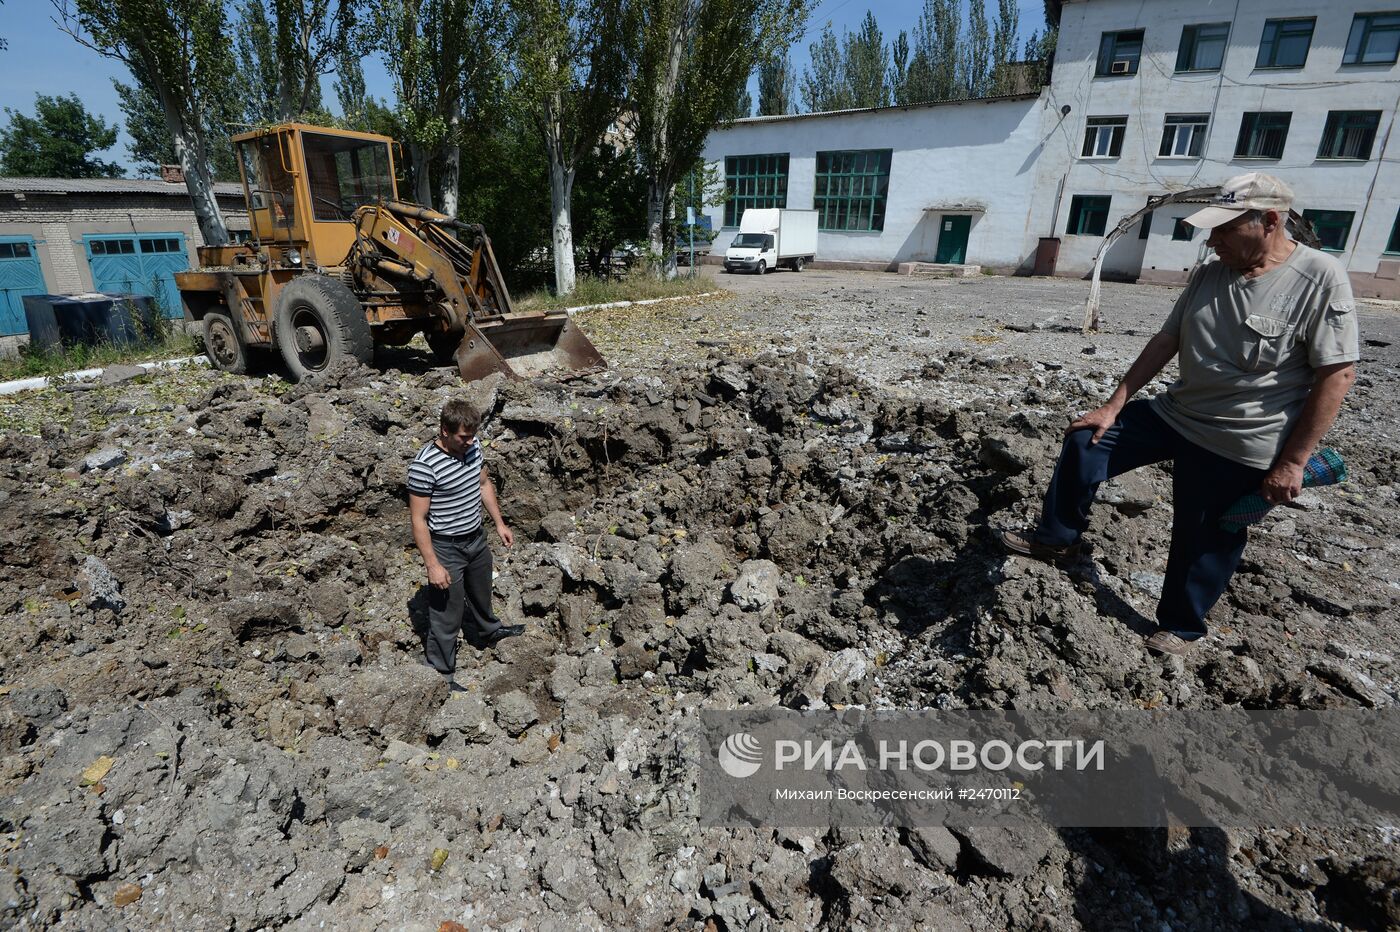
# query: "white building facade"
1174,94
885,182
1145,99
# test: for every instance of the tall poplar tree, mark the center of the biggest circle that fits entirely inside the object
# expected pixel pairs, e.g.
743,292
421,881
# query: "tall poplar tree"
569,74
976,52
690,58
777,86
824,84
867,62
178,51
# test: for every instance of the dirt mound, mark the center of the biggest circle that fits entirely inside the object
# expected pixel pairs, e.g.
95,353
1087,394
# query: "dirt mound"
214,714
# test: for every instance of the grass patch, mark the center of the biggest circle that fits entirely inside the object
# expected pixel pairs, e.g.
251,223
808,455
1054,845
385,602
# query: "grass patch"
170,341
639,286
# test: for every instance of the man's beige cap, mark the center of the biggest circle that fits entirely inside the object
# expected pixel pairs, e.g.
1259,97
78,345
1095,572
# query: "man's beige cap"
1254,191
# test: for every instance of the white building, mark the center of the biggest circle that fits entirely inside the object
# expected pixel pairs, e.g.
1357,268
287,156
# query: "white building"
886,181
1174,94
1146,98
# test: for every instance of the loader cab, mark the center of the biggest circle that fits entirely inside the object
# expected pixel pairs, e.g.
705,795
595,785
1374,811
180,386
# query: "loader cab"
303,185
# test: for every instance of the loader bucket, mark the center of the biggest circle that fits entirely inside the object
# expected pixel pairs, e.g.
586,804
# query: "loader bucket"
525,345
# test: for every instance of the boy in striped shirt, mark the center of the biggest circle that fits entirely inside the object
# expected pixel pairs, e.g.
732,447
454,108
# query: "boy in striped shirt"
448,486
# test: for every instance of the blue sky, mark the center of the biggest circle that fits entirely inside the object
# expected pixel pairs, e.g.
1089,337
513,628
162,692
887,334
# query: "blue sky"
43,60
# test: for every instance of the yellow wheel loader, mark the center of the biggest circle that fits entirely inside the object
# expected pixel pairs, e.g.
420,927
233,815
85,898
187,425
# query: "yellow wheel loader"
337,263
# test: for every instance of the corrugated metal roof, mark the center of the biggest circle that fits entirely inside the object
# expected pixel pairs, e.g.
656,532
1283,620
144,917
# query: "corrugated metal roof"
745,121
106,186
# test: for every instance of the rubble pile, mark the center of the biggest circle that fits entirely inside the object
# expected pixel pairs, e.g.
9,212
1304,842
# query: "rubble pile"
214,716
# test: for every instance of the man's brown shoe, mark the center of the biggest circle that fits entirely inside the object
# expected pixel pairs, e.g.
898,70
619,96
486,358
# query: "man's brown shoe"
1023,543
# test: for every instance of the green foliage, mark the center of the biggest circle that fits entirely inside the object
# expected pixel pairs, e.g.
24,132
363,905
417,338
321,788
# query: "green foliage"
57,142
636,287
867,61
777,85
824,84
976,52
1008,24
178,51
609,207
690,59
283,48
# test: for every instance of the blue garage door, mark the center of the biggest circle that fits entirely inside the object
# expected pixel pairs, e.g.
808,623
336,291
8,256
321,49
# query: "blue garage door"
143,264
19,275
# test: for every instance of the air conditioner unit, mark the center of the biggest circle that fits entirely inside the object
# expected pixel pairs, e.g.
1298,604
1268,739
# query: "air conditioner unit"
1122,66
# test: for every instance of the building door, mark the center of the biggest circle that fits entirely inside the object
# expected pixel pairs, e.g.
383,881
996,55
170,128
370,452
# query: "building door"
952,239
20,275
141,264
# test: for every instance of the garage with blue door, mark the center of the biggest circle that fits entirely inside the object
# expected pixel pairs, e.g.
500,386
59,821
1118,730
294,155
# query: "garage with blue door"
20,275
139,264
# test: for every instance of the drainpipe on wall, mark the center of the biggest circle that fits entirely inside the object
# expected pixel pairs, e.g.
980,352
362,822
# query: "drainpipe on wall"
1371,190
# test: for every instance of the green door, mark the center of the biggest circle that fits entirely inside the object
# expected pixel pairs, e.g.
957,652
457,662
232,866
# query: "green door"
952,239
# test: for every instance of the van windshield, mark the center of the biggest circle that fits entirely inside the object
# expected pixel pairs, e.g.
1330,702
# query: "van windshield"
754,240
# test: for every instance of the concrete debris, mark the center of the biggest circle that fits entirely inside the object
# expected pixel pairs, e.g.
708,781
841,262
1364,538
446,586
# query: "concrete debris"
213,714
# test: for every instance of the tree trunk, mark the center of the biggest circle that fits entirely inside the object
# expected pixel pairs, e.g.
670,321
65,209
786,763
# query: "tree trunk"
658,227
452,168
422,175
662,154
190,152
561,190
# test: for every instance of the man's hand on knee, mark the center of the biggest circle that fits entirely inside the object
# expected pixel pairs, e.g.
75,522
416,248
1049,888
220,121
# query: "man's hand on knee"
1283,484
1099,420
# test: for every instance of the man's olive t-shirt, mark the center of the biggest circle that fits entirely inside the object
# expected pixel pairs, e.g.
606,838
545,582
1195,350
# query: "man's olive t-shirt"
1248,350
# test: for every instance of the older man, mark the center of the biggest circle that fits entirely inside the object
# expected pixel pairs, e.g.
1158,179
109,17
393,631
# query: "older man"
1266,342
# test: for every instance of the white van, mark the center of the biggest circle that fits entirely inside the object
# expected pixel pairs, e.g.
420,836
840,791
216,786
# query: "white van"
769,237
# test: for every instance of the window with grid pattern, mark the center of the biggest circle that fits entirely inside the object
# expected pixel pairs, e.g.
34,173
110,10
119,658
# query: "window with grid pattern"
852,187
754,181
1088,215
1262,135
1103,137
1349,134
1202,47
1333,227
113,247
14,250
1285,43
1183,135
160,245
1374,39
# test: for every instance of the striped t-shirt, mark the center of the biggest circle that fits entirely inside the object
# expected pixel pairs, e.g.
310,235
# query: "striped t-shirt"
453,486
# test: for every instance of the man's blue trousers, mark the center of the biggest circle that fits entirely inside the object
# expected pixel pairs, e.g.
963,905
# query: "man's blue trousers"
1204,484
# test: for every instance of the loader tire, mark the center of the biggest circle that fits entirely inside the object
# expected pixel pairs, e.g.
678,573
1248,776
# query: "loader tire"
222,344
317,322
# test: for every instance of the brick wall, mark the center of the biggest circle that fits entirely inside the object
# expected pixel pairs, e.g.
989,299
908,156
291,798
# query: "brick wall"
58,222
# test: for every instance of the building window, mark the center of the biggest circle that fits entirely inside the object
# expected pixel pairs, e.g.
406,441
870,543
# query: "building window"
1103,137
1202,47
758,181
160,245
1182,231
1374,39
1184,135
1262,135
14,250
113,247
1285,43
1349,134
1119,52
851,189
1393,246
1333,227
1088,215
